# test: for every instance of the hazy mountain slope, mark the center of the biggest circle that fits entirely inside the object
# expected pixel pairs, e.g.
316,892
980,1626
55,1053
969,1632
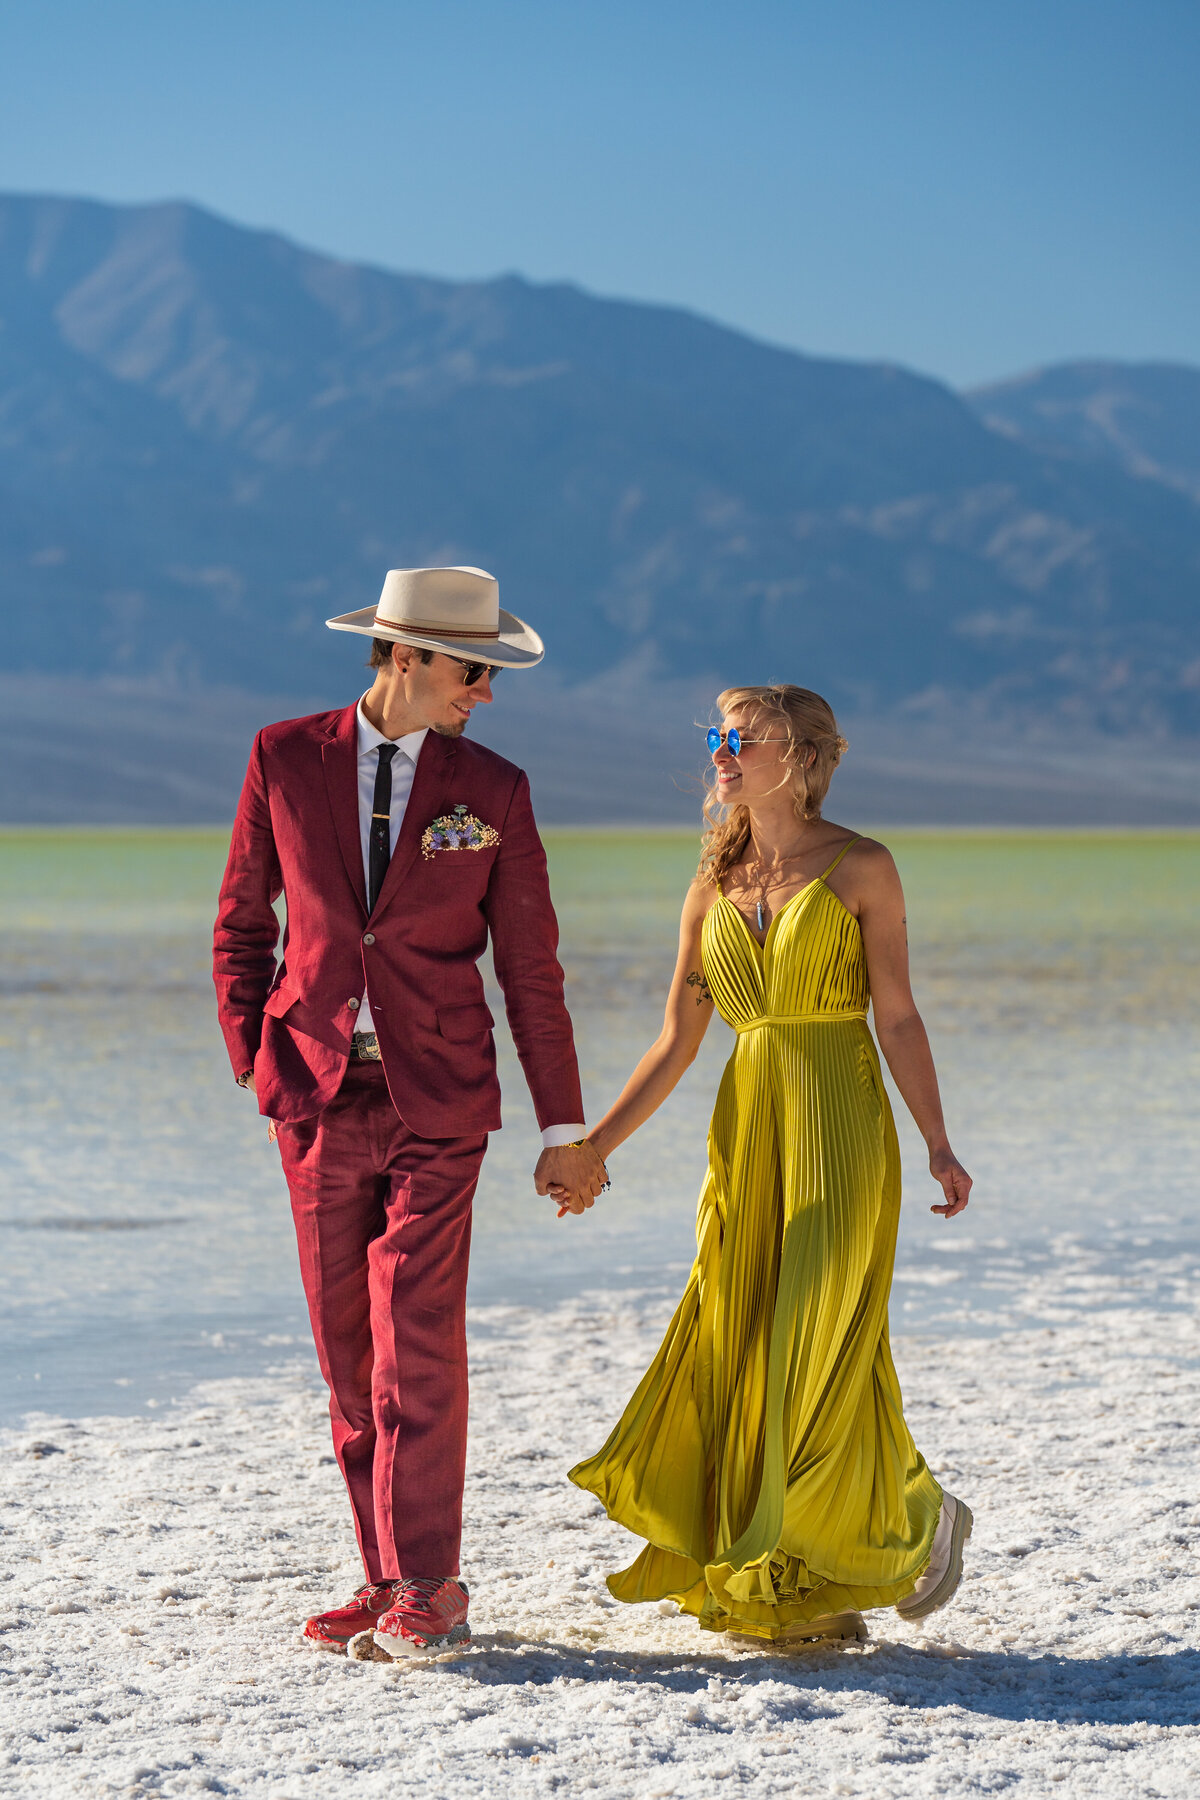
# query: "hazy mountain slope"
1143,417
211,439
74,751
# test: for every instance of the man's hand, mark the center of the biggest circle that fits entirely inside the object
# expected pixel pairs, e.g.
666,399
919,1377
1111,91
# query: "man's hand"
247,1082
574,1174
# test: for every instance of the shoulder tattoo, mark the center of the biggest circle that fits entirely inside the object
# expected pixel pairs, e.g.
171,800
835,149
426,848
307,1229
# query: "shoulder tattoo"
696,980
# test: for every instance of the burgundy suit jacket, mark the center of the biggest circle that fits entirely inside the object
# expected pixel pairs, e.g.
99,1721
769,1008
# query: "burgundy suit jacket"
297,833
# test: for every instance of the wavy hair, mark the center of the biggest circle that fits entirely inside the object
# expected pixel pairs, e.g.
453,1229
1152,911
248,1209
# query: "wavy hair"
811,754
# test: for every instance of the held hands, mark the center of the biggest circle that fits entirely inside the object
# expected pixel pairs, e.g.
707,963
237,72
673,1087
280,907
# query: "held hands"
956,1184
572,1174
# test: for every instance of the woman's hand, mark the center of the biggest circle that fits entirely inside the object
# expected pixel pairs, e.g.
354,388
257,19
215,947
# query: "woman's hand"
572,1174
569,1202
956,1184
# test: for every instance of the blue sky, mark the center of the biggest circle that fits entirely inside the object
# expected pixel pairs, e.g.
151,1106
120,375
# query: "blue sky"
970,187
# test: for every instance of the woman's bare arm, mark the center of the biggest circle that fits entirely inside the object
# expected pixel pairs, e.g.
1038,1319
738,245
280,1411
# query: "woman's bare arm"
898,1024
689,1009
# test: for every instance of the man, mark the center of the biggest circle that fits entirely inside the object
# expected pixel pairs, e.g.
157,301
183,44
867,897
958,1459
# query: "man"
398,846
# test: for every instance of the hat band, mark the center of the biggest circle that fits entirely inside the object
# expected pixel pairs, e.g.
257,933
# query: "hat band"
431,628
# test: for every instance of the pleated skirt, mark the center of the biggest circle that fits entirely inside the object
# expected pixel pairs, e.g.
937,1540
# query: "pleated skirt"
764,1458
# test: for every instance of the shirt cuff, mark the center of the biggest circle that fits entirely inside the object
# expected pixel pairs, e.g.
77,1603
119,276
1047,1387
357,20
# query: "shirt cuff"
555,1136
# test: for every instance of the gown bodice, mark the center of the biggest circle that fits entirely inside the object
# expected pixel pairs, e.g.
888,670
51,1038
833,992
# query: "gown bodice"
810,968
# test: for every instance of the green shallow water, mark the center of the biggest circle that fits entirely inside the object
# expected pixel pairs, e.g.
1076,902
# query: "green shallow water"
143,1220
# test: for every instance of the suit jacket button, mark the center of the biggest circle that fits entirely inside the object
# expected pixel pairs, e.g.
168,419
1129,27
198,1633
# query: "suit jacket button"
353,1005
368,937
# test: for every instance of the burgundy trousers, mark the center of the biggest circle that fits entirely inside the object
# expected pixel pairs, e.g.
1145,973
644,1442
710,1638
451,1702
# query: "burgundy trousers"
383,1223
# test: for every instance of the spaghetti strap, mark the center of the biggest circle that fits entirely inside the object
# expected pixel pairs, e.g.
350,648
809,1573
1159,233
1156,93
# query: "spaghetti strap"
857,839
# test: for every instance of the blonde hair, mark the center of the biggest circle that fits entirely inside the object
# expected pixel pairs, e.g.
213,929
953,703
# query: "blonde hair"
810,726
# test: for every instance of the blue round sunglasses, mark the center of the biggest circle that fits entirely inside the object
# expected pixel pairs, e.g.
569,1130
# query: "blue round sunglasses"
733,740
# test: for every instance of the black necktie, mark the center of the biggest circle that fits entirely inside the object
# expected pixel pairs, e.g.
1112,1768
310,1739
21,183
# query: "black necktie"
381,824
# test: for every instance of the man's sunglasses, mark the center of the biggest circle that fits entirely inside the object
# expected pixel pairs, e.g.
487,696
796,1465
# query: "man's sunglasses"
733,740
473,670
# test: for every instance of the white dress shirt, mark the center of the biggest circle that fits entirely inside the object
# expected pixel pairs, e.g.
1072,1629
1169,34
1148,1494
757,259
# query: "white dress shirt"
404,768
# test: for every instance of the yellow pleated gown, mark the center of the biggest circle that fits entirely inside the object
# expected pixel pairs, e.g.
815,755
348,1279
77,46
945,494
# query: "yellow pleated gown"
764,1457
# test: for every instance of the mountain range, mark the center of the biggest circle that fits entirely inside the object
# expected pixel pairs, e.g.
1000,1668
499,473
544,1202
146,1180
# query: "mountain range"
1142,418
211,439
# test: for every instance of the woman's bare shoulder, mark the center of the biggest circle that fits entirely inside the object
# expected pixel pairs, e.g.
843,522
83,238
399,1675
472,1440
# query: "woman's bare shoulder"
698,900
868,867
870,853
872,875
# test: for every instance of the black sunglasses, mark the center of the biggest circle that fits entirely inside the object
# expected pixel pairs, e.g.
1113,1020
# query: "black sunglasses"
473,670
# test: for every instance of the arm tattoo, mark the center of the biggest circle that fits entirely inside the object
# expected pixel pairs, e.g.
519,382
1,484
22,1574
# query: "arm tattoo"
696,980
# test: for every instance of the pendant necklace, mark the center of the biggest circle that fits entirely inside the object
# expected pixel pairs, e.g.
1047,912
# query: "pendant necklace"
764,879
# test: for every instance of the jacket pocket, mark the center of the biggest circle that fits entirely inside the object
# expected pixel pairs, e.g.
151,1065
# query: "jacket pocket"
458,1024
278,1001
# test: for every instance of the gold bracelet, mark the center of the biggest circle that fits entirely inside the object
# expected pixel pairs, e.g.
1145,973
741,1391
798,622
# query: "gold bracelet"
578,1144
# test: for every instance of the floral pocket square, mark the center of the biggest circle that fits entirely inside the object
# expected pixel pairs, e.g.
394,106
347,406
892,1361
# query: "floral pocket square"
458,830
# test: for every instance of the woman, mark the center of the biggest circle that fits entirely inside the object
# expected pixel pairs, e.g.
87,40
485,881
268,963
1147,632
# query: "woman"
765,1457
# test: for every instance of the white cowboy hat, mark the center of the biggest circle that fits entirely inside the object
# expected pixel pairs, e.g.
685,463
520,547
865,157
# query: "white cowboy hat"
456,611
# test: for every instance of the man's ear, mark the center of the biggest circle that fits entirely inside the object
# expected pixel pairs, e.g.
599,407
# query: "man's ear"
402,655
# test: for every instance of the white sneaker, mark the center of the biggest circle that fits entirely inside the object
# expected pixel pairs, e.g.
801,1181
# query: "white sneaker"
943,1572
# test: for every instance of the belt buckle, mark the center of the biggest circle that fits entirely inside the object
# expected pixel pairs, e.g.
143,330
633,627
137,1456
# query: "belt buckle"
364,1047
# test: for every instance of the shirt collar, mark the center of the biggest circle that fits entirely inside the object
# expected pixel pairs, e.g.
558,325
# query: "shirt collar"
369,739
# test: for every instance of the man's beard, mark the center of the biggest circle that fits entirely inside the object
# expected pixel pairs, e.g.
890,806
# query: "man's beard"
450,730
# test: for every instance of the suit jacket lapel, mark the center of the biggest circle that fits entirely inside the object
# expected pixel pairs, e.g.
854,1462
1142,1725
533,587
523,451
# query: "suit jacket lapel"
339,756
431,781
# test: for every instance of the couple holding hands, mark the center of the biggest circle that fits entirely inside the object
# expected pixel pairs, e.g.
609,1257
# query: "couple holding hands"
764,1458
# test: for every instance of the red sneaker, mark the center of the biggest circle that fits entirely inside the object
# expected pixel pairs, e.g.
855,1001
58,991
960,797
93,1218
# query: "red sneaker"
427,1615
333,1630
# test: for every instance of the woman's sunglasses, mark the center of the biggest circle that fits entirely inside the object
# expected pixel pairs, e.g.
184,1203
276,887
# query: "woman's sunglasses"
473,670
733,740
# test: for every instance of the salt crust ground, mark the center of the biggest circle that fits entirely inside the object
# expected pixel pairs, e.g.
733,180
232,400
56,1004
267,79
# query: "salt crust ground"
157,1570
